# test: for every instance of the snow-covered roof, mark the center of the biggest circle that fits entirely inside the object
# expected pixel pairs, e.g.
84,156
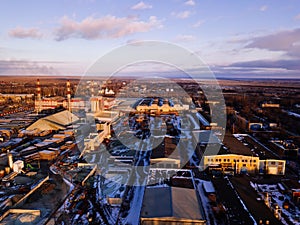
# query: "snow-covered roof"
206,137
64,118
208,187
57,121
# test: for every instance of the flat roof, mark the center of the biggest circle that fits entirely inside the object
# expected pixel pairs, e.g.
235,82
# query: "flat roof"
208,187
171,202
206,137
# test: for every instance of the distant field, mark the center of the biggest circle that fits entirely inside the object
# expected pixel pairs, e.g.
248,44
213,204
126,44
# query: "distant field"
222,82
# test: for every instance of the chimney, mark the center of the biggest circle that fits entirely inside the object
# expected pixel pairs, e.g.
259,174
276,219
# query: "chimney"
69,95
92,89
38,100
10,160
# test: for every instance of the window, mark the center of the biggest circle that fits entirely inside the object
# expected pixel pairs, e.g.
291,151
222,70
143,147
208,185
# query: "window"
242,160
246,160
228,160
254,160
238,160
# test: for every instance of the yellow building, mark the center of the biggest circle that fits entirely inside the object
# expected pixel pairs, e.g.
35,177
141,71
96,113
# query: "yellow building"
272,166
231,162
244,164
156,107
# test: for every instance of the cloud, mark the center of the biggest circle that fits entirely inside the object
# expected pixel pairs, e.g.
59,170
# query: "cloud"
20,32
287,41
257,73
182,15
292,64
104,27
185,38
198,23
190,3
141,5
263,68
24,67
133,41
297,17
263,8
252,55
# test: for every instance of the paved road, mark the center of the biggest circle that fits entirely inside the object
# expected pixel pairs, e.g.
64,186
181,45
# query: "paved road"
236,212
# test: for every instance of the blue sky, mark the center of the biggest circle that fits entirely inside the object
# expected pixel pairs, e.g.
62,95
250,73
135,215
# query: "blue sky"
259,38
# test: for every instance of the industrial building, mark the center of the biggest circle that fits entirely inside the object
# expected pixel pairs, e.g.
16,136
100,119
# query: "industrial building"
57,121
205,137
286,148
165,163
171,205
232,163
157,106
93,104
272,166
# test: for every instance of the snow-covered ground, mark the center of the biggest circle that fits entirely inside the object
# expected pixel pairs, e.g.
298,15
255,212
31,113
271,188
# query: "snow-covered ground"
159,175
292,113
276,196
132,216
205,203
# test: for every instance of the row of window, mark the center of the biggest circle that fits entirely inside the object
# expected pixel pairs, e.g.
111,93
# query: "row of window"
274,163
228,160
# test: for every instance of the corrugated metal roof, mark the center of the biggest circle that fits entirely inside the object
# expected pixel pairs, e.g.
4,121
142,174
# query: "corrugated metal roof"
172,202
206,137
57,121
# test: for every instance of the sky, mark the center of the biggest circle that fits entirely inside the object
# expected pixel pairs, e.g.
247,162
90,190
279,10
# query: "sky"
245,39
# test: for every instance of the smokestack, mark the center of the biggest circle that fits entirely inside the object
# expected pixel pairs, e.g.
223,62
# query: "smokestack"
92,88
39,96
69,95
10,160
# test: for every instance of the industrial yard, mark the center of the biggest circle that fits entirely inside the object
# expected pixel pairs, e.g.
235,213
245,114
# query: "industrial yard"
102,159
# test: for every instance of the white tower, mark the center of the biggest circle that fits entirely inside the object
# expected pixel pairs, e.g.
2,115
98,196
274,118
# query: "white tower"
69,95
92,89
38,100
96,103
10,160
